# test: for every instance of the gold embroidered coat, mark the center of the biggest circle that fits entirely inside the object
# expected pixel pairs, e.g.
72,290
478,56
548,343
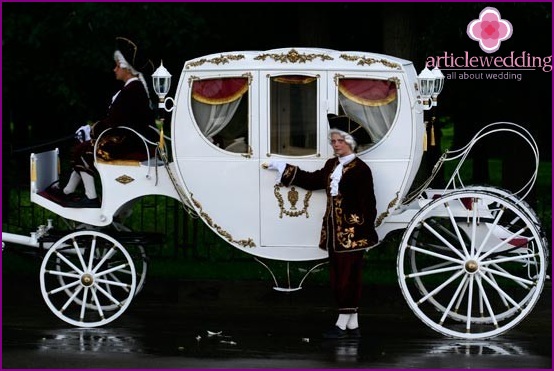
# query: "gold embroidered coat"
349,220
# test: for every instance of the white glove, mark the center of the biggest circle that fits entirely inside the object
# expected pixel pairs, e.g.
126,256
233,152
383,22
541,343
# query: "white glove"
276,165
83,133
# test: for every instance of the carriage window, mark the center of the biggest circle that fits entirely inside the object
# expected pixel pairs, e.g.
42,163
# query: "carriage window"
220,108
371,102
293,115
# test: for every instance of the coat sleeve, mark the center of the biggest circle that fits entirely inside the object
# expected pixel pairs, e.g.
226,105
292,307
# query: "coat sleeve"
310,181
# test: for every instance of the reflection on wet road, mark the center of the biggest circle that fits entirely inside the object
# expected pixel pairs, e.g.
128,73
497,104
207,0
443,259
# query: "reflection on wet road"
214,324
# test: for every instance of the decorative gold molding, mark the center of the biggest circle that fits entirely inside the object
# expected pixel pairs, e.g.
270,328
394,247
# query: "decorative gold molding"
293,57
124,179
396,80
223,233
293,198
369,61
223,59
383,215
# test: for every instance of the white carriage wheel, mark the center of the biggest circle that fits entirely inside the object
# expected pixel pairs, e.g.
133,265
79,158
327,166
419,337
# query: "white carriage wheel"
96,287
139,258
472,264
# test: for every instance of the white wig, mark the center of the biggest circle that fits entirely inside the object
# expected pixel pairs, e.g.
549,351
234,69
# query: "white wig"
120,59
349,139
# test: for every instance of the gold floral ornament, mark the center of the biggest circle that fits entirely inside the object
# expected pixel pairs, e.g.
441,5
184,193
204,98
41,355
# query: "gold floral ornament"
293,56
223,59
369,61
293,198
223,233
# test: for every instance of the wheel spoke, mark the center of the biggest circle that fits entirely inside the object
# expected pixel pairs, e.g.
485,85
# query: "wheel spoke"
448,244
440,287
469,303
509,259
68,262
491,229
84,304
92,253
108,255
456,229
113,283
71,298
79,254
434,271
503,242
483,295
436,255
456,295
64,287
517,279
107,295
500,291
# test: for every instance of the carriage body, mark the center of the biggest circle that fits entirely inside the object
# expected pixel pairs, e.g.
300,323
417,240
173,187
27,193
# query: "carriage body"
278,110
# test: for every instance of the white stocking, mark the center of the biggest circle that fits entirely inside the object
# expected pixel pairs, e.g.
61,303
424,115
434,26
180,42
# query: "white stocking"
73,182
342,320
352,321
90,188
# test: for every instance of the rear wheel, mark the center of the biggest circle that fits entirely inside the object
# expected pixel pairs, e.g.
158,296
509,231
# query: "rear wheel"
472,264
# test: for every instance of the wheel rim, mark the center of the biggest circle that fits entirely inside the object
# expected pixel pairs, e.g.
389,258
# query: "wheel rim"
471,264
87,279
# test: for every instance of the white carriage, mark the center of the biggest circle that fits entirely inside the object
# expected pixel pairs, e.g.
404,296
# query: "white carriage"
472,260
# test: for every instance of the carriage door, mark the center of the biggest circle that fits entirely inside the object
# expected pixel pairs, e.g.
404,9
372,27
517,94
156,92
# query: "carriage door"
292,112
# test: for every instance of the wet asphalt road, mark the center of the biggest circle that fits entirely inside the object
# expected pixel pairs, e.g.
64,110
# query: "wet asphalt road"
167,326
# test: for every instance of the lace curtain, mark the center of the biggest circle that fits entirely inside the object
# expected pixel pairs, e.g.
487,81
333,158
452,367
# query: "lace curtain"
215,101
370,102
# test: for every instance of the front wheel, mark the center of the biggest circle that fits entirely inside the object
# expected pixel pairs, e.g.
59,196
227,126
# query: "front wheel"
87,279
472,264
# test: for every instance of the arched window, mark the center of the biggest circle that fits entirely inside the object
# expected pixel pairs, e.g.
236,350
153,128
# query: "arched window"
371,102
220,108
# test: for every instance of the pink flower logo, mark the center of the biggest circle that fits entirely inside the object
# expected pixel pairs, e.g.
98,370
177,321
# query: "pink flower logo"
490,30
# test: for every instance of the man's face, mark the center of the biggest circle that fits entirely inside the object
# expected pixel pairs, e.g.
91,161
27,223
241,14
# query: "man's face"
120,73
340,147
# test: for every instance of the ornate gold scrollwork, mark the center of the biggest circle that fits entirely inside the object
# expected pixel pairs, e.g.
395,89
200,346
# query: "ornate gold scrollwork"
384,214
396,80
293,57
369,61
223,233
293,198
217,60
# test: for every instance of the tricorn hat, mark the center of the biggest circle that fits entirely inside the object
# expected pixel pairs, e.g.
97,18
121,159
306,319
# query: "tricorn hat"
133,56
346,124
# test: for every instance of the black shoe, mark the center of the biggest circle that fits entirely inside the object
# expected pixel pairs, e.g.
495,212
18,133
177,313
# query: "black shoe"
84,202
354,333
335,332
55,193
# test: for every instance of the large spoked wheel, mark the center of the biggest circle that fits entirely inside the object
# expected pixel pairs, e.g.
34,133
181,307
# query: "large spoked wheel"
472,264
87,279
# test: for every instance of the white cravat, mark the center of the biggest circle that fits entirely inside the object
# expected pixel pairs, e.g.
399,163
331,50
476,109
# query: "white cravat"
336,175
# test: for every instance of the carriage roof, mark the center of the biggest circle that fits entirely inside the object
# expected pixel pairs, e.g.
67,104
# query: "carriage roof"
299,58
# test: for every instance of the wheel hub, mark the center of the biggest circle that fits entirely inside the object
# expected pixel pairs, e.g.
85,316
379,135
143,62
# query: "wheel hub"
471,266
87,279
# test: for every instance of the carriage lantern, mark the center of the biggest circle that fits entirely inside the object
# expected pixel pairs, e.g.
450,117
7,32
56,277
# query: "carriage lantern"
161,79
439,84
426,81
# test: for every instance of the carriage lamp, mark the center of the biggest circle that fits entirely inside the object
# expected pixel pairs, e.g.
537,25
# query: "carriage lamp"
426,84
161,79
439,84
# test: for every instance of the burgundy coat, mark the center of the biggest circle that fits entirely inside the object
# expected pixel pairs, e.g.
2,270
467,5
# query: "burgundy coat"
349,220
130,108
